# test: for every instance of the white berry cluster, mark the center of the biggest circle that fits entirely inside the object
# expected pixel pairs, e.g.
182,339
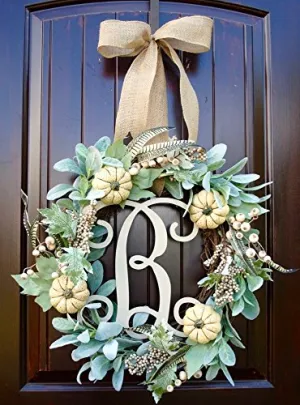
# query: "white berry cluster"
146,363
239,227
83,232
224,265
227,286
182,377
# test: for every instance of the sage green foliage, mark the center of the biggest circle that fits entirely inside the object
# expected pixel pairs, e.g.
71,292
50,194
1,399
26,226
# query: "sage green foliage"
231,185
163,339
77,264
39,284
59,222
104,344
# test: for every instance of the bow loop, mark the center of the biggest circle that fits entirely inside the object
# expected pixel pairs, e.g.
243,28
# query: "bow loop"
143,102
123,38
187,34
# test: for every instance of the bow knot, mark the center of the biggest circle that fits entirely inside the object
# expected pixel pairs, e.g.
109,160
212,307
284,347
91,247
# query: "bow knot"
143,102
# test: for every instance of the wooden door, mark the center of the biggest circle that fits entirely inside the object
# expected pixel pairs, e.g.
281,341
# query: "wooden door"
55,91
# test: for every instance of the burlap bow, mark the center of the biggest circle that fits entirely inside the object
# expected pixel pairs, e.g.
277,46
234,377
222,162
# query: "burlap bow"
143,102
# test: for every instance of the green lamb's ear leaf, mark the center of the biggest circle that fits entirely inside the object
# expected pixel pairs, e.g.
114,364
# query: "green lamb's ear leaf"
107,330
82,369
195,358
191,195
236,342
67,165
255,188
84,337
206,181
217,198
143,349
137,194
117,363
86,350
211,353
230,325
95,279
198,173
224,190
95,194
76,196
216,165
234,202
146,177
140,319
238,307
234,169
265,198
109,161
227,374
242,289
254,282
103,143
82,185
234,190
110,349
107,288
245,178
117,378
81,152
63,325
127,161
187,185
216,153
249,198
59,191
99,231
117,150
93,161
64,341
100,366
226,354
212,372
174,188
251,311
95,254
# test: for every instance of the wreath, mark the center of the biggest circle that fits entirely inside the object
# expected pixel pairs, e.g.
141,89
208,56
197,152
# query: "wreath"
69,239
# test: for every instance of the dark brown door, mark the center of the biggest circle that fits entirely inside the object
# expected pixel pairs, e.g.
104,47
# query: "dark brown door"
55,91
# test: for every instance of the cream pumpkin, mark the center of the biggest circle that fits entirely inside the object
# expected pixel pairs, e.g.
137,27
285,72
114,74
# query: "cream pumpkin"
205,212
201,323
67,298
115,182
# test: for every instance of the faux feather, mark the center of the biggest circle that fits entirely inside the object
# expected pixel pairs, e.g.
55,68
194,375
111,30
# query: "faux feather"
171,362
281,269
140,141
144,329
240,249
155,150
31,228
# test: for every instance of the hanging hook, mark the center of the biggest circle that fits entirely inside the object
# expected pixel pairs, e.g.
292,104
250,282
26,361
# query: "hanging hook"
154,15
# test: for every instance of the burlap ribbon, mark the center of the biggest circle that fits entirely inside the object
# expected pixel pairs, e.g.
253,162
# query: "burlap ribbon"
143,102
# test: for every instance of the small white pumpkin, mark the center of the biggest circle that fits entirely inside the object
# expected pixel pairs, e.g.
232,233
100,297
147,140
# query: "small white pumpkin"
201,323
205,212
67,298
115,182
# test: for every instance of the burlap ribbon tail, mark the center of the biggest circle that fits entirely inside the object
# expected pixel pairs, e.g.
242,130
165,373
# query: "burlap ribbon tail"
143,102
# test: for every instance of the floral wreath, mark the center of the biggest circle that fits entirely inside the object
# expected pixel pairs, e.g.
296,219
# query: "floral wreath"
68,273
